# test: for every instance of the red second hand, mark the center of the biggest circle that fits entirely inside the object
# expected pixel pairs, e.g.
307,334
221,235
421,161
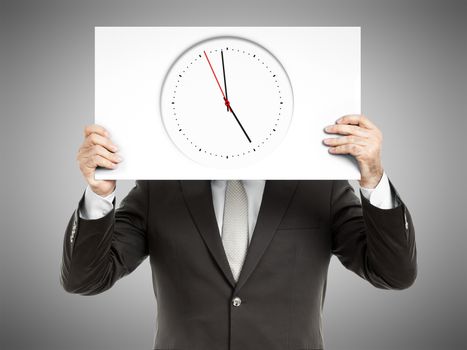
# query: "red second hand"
227,103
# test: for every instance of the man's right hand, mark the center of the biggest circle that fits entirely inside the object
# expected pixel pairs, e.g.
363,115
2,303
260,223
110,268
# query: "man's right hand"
97,150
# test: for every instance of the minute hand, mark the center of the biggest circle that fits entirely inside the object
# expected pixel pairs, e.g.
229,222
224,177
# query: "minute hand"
226,101
225,80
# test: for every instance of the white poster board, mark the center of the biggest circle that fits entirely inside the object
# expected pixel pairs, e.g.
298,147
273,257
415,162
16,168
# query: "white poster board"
131,67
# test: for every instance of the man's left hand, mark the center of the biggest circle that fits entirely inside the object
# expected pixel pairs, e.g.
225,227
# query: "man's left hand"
362,139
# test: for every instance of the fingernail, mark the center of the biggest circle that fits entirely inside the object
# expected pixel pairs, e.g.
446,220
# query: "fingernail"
327,128
114,148
119,159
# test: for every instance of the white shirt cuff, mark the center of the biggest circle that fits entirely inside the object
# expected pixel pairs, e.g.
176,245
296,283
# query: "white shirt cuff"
381,196
95,206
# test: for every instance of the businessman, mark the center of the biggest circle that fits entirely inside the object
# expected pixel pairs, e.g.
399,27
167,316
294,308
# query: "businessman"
240,265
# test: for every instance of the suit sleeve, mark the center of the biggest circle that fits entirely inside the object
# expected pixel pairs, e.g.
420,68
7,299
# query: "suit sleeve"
96,253
377,244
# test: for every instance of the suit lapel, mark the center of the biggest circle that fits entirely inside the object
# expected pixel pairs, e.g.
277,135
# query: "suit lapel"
198,198
276,199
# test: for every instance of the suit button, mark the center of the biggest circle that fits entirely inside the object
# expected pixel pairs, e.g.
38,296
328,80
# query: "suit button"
236,301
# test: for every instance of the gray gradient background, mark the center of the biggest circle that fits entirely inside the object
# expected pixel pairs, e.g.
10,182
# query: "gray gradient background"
414,88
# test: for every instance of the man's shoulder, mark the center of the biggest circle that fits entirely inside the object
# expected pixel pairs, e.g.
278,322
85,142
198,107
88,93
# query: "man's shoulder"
158,183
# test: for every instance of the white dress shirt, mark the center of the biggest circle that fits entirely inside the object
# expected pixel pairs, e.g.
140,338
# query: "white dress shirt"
96,206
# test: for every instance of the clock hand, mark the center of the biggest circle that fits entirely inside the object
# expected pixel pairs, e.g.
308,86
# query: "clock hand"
249,140
225,80
227,103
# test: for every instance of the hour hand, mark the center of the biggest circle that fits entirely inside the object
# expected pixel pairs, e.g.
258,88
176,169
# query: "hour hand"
240,124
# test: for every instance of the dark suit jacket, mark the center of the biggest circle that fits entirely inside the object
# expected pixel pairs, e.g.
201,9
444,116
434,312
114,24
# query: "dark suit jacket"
283,281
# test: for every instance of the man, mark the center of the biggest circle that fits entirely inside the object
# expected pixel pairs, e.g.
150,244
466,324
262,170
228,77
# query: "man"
240,264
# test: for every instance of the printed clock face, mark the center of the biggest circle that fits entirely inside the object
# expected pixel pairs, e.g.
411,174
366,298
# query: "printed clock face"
226,102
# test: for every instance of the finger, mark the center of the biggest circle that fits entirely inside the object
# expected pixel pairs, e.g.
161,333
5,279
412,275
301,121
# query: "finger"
337,141
95,128
86,155
345,129
95,139
103,152
98,160
356,119
349,148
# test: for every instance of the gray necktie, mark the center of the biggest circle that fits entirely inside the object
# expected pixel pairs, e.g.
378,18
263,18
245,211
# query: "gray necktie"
235,225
